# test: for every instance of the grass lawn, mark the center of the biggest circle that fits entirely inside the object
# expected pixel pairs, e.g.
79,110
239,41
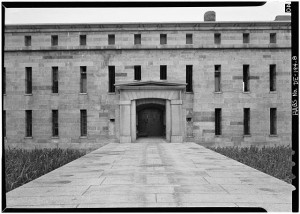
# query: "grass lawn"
275,161
22,166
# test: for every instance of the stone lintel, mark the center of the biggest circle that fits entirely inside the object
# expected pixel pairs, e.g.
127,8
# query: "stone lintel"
176,102
125,102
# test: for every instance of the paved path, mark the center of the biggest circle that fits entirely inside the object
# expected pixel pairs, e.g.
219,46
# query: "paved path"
153,173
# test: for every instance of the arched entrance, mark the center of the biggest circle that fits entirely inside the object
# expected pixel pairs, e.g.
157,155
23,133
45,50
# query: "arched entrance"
150,118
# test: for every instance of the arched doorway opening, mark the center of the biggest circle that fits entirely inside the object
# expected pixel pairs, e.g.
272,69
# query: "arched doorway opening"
151,118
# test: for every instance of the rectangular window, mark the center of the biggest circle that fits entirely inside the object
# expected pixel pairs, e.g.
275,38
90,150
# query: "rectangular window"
28,122
217,78
272,77
54,40
273,121
163,39
163,72
83,123
137,72
189,78
54,80
217,38
4,81
55,123
137,39
27,41
189,39
4,123
246,38
111,39
28,80
218,121
246,85
83,83
82,39
111,78
246,121
272,37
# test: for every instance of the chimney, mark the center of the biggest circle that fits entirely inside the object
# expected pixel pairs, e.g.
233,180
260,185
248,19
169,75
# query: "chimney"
210,16
283,18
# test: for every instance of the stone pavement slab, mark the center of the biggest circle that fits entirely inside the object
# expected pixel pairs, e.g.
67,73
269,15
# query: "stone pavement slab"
153,173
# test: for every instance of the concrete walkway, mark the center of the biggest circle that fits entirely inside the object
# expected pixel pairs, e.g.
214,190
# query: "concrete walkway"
153,173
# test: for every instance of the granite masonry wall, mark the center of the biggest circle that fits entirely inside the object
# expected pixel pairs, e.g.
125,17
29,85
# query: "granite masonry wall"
102,106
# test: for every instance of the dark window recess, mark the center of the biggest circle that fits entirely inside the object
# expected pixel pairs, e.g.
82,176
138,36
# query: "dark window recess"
4,123
112,120
217,38
272,37
246,38
246,121
4,81
246,85
163,39
82,39
273,121
189,39
27,41
55,123
111,78
189,78
55,80
272,77
137,72
111,39
163,72
137,39
83,123
28,122
83,82
54,40
28,80
218,121
217,78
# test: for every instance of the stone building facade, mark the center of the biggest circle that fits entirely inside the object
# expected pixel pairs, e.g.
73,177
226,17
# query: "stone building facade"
84,85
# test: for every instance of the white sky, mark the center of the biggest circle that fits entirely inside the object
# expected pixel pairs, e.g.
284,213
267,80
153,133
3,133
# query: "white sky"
103,15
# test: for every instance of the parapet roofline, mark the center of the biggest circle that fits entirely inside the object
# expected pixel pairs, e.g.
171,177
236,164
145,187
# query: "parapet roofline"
150,24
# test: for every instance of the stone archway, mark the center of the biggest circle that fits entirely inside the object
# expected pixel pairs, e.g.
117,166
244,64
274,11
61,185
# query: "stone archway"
169,93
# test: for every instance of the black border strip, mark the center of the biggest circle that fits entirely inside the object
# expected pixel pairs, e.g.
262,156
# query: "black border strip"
109,4
295,101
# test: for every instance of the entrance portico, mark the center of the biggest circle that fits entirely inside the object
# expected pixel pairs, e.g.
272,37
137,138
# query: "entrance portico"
151,92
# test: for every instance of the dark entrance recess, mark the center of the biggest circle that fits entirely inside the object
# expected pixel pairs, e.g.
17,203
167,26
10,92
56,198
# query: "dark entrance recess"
151,120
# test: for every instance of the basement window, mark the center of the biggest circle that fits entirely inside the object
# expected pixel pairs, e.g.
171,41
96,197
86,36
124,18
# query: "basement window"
218,121
246,121
55,123
273,121
137,72
83,123
28,123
